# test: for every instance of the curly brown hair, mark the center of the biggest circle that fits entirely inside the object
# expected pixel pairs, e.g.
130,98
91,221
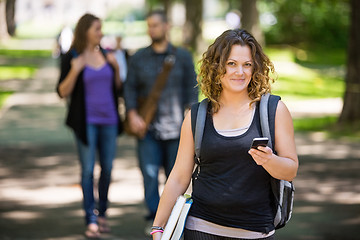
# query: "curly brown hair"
212,66
82,26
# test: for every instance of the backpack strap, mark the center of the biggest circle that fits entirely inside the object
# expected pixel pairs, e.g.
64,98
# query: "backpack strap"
264,118
199,128
268,105
198,117
283,198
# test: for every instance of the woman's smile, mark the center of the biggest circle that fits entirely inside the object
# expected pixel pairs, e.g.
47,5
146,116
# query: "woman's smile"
239,69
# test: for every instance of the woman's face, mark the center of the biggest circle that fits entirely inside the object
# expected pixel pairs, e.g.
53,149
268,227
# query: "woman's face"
239,69
94,33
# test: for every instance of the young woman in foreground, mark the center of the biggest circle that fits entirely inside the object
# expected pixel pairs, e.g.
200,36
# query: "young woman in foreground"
232,196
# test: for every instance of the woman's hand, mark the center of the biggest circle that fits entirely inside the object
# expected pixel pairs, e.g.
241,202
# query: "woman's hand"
112,60
261,155
78,63
67,85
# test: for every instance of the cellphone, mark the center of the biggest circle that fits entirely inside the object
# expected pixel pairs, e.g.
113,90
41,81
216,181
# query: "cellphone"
262,141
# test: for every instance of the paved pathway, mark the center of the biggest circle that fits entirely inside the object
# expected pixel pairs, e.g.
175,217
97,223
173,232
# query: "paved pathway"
40,197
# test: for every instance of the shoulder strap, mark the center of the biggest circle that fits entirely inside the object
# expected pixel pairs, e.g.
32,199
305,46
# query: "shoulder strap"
148,109
268,105
199,127
264,118
74,53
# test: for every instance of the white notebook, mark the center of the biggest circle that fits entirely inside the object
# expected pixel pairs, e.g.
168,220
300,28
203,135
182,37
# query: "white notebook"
176,222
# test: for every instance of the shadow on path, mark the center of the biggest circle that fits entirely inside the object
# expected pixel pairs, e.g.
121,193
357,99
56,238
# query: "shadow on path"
40,197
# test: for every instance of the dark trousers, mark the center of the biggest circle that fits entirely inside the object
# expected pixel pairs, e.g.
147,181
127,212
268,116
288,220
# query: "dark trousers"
154,154
196,235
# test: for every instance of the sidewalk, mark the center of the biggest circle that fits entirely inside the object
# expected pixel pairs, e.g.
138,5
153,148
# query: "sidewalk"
40,197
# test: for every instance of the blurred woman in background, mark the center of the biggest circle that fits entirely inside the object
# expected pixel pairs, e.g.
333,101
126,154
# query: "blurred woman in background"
90,80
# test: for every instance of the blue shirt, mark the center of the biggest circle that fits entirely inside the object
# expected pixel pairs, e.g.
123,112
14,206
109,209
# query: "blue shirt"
179,93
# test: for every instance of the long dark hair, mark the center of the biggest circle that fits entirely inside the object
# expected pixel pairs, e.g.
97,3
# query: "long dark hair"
82,26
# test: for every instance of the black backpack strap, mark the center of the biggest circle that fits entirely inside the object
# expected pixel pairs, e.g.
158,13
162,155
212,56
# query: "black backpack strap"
194,110
198,117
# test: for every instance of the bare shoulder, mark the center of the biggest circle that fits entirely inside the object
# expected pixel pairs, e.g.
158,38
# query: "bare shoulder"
283,119
282,109
187,119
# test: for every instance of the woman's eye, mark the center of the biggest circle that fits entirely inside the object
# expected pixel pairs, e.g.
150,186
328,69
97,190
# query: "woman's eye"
248,64
231,63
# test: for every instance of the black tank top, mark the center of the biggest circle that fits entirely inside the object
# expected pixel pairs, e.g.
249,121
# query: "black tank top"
231,189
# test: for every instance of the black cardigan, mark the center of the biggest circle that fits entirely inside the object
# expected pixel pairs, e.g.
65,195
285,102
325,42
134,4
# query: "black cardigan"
76,116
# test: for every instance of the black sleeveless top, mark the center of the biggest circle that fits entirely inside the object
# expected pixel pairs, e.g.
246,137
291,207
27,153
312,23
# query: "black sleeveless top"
231,189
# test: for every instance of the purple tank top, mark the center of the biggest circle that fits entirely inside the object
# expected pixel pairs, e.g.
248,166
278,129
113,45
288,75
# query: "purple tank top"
99,97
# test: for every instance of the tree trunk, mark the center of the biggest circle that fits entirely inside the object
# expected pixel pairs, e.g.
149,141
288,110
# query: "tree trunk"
3,28
166,4
192,31
351,109
10,17
250,19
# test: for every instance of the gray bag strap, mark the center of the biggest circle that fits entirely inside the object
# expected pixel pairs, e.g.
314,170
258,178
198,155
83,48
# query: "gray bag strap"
264,118
199,128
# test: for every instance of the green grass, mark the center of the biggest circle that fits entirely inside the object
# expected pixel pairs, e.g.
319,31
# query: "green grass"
303,87
3,96
17,72
21,64
329,126
320,56
320,73
32,30
314,124
307,56
277,53
18,53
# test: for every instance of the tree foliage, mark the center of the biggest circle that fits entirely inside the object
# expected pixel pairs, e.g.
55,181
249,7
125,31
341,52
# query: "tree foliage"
319,22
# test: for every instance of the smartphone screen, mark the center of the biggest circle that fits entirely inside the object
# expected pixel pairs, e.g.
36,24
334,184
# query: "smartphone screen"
259,142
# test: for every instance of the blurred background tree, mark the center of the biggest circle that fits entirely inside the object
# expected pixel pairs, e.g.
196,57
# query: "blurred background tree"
192,30
351,109
3,27
310,30
7,18
10,17
250,19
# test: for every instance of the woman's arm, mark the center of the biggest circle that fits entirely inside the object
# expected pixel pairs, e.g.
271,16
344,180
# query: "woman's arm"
180,175
285,164
66,86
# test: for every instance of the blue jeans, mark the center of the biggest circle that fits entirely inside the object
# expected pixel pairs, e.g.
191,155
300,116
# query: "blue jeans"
154,154
101,140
